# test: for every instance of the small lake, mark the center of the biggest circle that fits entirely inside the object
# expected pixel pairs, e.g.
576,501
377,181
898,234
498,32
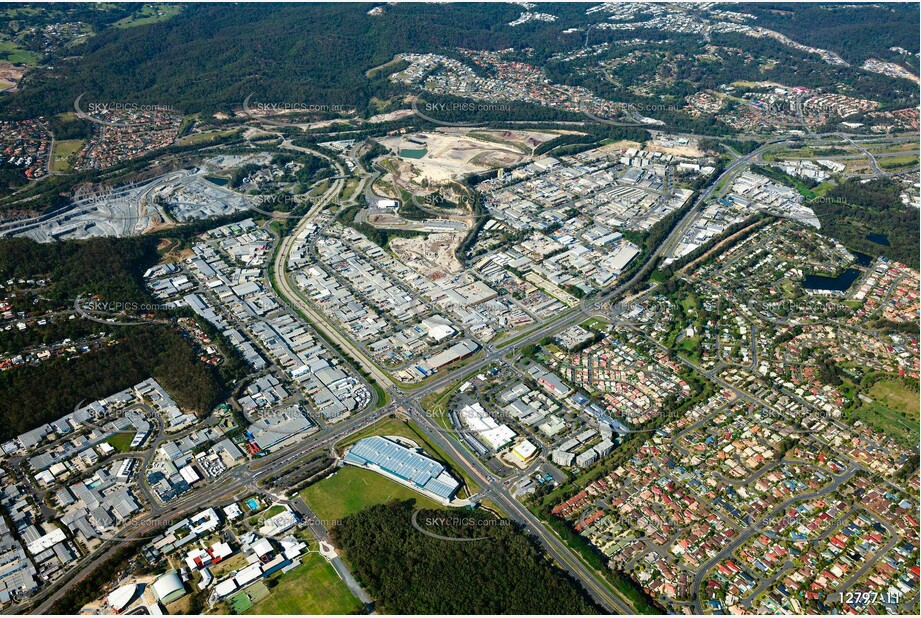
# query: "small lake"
879,239
862,259
841,283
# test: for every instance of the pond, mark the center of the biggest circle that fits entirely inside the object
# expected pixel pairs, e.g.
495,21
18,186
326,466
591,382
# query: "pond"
841,283
879,239
862,258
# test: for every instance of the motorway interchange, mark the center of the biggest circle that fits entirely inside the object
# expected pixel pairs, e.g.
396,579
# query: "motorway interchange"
246,478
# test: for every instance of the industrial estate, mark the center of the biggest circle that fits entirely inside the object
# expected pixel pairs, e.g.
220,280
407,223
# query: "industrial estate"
581,308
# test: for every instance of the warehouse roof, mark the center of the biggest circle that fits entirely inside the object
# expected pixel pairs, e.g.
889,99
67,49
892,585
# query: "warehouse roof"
404,463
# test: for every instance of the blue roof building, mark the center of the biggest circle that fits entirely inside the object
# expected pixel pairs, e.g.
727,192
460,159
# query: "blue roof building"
408,466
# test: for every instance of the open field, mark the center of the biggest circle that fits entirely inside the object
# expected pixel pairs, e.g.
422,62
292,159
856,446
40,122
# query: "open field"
62,152
311,588
892,147
894,411
896,396
207,136
121,441
224,567
898,162
11,52
149,14
352,489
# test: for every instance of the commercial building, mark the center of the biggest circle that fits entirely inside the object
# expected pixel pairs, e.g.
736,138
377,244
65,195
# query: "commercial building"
486,428
550,381
169,587
404,465
525,449
456,352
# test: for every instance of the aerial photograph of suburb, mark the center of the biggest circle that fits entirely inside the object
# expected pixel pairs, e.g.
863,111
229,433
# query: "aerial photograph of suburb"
460,308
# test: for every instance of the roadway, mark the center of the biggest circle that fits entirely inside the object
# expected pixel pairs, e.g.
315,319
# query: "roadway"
238,479
500,494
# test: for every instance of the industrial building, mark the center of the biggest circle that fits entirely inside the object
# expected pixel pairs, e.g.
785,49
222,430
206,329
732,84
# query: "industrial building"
404,465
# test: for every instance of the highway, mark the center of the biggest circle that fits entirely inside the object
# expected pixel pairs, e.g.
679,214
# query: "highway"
591,580
409,400
245,477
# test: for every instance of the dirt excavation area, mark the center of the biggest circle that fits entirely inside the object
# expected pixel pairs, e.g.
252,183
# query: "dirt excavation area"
434,157
678,146
431,256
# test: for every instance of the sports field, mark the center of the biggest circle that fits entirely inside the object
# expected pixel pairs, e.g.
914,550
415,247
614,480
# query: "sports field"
62,152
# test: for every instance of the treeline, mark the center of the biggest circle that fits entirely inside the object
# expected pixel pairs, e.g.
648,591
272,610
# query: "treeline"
664,226
64,128
742,147
111,268
852,210
408,572
753,224
37,394
803,186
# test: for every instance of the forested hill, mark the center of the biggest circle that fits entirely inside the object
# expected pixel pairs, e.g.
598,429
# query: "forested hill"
856,32
210,57
112,270
408,572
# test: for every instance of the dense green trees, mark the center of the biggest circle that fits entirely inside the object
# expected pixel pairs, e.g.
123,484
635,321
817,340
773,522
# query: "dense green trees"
856,32
852,210
33,395
408,572
209,58
112,270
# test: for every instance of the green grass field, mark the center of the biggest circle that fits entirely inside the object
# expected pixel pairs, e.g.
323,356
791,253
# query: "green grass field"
894,411
62,152
272,511
11,52
121,441
311,588
351,489
149,14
